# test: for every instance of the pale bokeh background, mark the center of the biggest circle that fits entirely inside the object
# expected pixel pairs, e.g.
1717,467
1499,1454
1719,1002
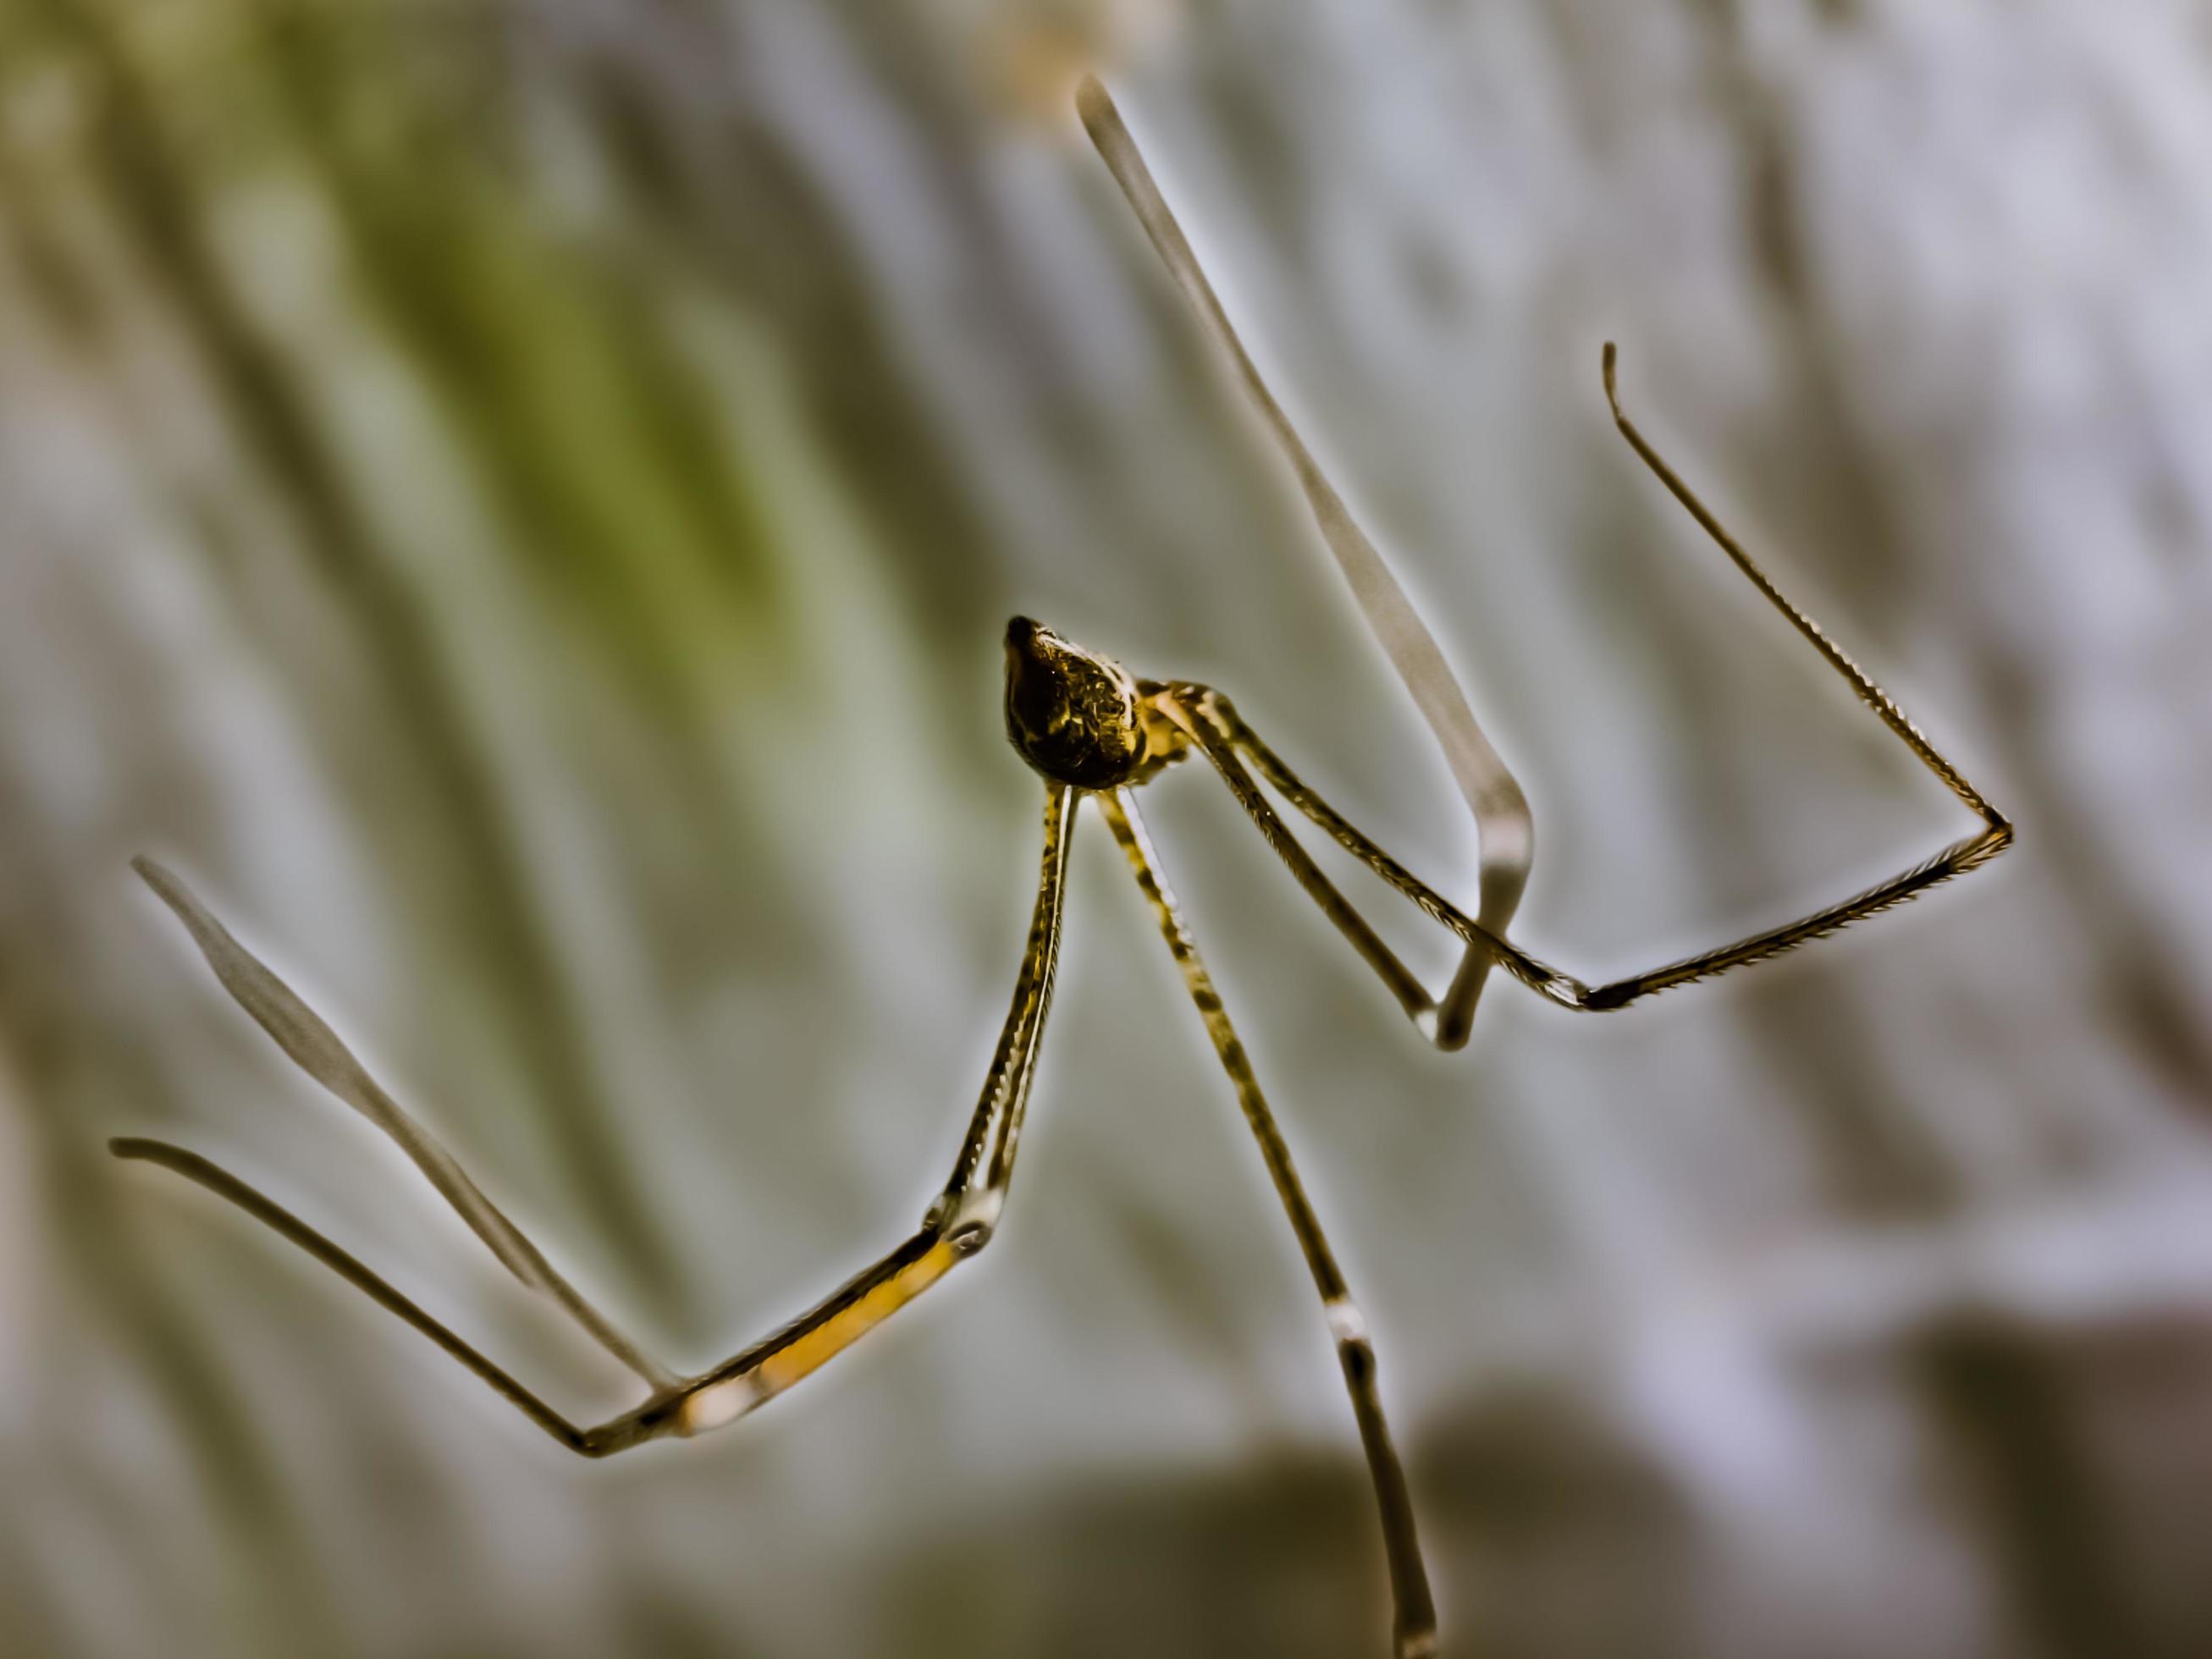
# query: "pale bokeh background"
518,502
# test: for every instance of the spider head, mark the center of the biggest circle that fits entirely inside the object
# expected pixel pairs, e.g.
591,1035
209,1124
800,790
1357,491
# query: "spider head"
1070,713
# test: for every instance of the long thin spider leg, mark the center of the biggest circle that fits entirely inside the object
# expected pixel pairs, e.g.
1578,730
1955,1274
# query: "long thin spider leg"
1415,1619
750,1379
958,1224
1505,830
1198,719
316,1050
220,1182
1060,835
1859,680
987,1152
1954,860
684,1407
1213,720
1214,724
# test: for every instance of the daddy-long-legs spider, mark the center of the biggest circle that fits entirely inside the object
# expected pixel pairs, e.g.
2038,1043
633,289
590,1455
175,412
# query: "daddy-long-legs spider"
1093,731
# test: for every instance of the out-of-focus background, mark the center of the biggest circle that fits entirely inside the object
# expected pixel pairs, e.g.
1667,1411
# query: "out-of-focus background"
518,503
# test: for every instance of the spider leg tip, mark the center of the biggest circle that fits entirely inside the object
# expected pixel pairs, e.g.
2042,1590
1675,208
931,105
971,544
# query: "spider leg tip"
164,883
1092,102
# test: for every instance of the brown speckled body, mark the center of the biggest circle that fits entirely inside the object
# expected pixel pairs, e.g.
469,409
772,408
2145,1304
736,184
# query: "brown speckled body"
1079,718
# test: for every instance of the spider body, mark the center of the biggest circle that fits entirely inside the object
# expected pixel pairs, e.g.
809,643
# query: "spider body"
1076,716
1073,714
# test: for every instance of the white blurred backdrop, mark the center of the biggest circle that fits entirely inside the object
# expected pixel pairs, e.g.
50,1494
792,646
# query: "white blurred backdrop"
518,502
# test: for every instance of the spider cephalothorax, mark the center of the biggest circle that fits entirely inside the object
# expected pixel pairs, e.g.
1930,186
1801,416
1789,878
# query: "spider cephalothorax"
1071,713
